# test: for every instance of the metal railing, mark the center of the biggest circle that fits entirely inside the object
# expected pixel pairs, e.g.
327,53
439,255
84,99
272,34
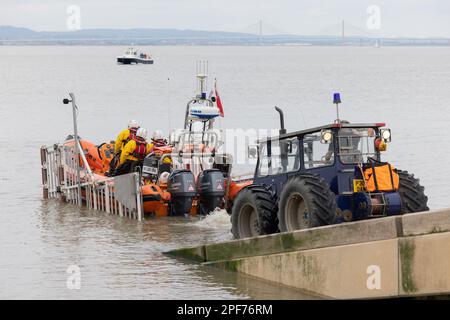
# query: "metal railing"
64,178
104,196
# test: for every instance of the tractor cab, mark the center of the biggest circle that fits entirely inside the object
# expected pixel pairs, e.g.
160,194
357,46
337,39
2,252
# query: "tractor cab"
338,152
323,175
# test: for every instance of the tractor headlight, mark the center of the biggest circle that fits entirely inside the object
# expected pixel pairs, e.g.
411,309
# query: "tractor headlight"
386,135
327,136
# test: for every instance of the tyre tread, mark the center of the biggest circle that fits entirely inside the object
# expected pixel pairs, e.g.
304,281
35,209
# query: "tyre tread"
322,204
412,193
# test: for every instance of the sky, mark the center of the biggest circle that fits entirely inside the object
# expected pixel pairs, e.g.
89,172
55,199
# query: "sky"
413,18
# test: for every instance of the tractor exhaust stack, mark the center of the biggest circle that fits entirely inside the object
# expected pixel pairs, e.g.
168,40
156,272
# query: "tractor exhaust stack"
282,128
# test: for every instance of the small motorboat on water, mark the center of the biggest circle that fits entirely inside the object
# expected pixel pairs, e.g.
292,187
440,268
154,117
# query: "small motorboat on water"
133,56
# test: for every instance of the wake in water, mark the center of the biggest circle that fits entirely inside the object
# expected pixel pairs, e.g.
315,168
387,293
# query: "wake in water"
218,219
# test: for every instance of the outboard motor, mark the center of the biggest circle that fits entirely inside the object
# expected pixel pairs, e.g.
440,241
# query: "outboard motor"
211,188
181,186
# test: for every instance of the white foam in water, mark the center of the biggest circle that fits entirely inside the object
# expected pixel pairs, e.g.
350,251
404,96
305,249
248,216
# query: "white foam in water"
218,219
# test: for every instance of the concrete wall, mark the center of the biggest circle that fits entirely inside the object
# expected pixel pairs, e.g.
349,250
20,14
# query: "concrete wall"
388,257
342,234
425,223
424,253
336,272
425,264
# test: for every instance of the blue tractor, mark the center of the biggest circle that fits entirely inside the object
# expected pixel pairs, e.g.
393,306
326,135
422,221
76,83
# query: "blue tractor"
321,176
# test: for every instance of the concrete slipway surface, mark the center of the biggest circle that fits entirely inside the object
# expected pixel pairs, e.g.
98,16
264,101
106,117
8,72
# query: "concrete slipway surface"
402,256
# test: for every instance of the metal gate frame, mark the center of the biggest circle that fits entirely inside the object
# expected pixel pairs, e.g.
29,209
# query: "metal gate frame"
60,168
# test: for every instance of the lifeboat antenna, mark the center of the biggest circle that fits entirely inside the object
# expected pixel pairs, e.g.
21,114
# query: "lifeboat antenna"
202,76
168,105
202,86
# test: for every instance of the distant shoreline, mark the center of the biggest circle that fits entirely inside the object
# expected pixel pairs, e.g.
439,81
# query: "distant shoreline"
366,43
163,37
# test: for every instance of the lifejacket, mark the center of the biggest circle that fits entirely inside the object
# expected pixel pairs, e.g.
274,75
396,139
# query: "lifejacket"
140,151
159,143
131,136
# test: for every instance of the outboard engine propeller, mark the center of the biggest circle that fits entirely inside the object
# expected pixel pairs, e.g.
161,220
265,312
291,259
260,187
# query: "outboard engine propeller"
181,186
211,188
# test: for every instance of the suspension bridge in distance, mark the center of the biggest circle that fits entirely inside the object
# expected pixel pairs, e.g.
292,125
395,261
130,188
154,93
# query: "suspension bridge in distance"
339,33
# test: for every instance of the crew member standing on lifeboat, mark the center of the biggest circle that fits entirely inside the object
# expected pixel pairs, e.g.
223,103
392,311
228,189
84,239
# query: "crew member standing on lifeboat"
158,139
134,153
125,136
122,139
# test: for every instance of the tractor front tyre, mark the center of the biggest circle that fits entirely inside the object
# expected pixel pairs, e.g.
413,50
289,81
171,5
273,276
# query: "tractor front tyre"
306,202
412,194
254,213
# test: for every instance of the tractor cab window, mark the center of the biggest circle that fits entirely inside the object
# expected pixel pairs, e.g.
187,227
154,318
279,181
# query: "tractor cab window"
281,157
317,154
356,145
263,167
288,159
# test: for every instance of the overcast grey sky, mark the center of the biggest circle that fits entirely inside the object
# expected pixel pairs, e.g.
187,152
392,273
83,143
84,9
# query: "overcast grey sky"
417,18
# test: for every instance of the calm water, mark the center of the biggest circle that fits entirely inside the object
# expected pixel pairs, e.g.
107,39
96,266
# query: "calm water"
408,88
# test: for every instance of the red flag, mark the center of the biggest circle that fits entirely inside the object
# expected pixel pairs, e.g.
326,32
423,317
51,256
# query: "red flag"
218,101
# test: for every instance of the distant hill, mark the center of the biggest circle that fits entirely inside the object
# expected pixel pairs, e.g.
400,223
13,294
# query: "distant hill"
14,33
22,36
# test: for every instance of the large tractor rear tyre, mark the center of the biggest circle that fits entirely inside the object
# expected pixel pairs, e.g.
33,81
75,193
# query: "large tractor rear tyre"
254,213
412,194
306,202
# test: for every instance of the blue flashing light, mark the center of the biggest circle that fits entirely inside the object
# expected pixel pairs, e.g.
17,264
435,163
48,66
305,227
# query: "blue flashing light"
336,98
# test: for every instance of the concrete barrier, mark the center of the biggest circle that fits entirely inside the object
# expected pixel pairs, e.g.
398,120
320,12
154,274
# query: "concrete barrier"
426,222
191,253
396,256
425,264
336,272
342,234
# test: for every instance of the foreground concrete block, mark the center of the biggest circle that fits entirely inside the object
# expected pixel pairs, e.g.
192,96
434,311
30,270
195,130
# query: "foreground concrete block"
425,264
407,255
426,222
364,270
194,253
335,235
